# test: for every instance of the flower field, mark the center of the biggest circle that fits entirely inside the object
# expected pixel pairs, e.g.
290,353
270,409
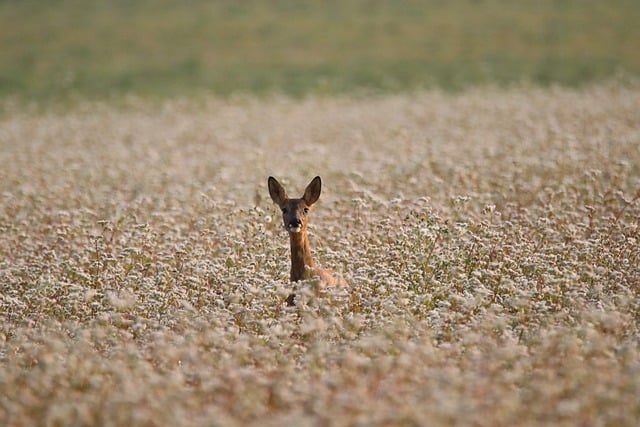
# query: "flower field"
491,239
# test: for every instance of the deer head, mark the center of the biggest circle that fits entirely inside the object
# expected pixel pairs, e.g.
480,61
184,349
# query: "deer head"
294,211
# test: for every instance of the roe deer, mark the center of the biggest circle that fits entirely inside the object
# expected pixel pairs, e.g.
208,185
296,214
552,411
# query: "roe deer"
295,217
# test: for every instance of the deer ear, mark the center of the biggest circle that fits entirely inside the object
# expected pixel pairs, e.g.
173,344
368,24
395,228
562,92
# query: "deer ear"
276,191
312,192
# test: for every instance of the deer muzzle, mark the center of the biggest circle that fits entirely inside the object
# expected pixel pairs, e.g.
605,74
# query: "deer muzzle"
294,226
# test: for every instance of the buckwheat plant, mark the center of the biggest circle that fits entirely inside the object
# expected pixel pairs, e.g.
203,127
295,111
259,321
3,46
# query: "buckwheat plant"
491,241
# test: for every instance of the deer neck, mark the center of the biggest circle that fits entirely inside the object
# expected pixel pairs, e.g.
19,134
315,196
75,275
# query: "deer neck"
301,262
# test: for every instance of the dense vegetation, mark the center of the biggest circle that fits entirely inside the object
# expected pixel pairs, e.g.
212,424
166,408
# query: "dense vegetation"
481,170
490,239
164,48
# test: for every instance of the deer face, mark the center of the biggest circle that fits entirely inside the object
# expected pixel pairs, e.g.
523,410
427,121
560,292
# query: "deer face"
294,215
294,211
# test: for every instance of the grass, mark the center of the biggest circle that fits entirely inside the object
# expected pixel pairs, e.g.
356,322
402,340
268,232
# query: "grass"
490,239
163,48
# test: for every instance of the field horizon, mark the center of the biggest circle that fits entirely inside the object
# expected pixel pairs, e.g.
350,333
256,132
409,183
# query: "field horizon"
63,51
490,238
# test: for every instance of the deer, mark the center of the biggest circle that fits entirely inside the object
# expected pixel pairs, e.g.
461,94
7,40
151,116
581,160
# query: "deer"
295,215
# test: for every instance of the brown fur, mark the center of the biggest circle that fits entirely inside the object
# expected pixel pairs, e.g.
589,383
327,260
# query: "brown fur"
295,215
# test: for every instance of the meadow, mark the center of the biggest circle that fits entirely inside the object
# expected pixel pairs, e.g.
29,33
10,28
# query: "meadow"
490,238
164,48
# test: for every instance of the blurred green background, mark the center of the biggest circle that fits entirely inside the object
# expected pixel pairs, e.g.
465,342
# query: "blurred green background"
160,48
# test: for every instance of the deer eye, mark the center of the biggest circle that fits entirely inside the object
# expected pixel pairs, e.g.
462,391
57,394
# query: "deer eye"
285,210
306,210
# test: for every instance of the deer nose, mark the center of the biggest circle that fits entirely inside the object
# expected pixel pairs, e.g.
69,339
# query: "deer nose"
295,223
